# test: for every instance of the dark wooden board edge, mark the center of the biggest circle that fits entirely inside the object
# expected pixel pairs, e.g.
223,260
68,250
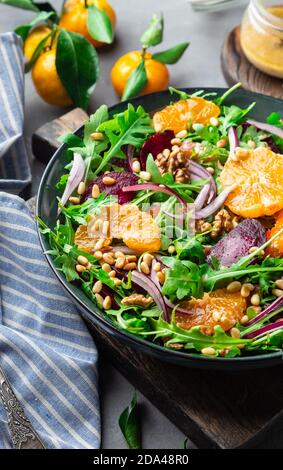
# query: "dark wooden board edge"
236,68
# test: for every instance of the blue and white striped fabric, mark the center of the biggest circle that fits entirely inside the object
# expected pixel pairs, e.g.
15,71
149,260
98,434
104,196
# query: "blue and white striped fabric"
45,348
14,165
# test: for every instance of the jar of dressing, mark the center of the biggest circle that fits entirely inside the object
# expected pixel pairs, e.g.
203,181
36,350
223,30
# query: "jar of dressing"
262,35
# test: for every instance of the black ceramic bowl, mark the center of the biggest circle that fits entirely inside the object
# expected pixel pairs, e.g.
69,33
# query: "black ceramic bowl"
47,208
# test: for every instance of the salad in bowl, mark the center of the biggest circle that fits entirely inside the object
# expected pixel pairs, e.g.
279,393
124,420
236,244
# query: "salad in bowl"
171,223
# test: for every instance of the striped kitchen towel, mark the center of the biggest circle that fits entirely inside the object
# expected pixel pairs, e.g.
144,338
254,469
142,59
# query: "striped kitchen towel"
14,165
46,350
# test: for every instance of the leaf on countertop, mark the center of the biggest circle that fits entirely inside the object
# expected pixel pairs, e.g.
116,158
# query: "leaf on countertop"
77,65
136,82
129,425
99,25
172,55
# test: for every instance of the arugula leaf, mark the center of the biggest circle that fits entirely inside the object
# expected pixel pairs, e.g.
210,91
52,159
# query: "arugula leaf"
154,34
71,140
67,266
94,147
136,82
182,279
129,127
99,25
232,116
190,248
181,94
61,184
152,168
275,119
172,55
78,213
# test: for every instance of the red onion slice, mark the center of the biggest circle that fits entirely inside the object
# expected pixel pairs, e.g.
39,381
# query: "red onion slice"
265,329
178,309
273,306
267,127
75,177
198,172
202,197
233,140
148,285
215,205
130,156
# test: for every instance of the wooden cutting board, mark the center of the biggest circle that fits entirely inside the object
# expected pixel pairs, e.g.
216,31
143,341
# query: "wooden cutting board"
236,68
214,409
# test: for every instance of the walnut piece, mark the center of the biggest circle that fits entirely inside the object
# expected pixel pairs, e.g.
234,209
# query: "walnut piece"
223,221
137,299
176,163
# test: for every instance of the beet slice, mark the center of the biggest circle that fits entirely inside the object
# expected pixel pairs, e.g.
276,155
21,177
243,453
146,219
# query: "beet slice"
123,178
238,242
155,144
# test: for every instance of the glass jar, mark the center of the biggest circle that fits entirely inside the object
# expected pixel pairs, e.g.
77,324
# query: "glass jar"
262,35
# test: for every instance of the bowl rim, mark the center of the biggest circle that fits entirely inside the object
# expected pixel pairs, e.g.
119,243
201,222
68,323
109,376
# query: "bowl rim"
97,315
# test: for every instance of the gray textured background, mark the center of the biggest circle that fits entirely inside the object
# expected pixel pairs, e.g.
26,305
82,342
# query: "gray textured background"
199,67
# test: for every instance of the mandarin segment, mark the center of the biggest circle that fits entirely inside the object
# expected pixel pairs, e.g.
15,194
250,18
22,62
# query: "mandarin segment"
219,307
259,183
275,249
184,113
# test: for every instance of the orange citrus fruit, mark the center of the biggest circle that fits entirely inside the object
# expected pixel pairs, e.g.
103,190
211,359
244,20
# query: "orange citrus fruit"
157,73
275,249
47,81
137,229
259,183
184,113
74,17
220,307
34,38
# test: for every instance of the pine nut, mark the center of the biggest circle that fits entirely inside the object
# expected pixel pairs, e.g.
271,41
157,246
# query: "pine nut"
161,277
108,181
246,290
145,268
131,258
120,263
119,254
95,192
241,153
171,249
97,136
97,225
166,153
249,285
98,254
182,134
117,281
106,267
252,144
255,299
89,265
175,148
107,302
145,175
107,243
97,287
81,188
279,283
112,274
130,266
235,333
157,267
82,260
80,268
108,258
208,351
256,309
214,121
277,292
210,170
176,141
174,153
136,166
234,286
147,258
244,319
74,200
99,244
216,316
99,299
221,143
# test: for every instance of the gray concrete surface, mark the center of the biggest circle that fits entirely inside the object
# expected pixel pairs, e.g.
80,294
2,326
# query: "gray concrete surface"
199,67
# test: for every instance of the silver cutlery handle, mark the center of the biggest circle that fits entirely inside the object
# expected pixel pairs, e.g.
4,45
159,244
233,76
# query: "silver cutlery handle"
22,433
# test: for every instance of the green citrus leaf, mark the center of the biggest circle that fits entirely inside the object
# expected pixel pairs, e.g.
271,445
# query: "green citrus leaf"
77,65
136,82
154,34
37,52
23,4
42,17
171,56
129,425
99,25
